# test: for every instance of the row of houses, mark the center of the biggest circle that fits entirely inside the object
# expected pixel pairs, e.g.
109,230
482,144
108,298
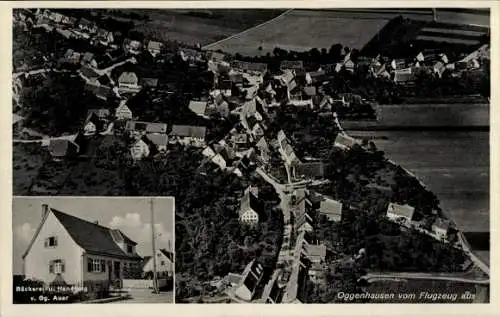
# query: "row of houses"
405,214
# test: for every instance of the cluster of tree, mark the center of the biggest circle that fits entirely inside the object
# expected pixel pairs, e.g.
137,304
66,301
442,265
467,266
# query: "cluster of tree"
210,239
59,105
312,134
339,277
389,248
312,59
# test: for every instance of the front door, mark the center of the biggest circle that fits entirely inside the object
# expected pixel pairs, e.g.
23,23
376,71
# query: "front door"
116,269
110,271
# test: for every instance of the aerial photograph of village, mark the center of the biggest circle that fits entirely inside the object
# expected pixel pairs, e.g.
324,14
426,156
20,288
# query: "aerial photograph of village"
93,250
315,155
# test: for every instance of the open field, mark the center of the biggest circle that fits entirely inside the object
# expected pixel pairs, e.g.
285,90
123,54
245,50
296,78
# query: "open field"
454,165
426,116
209,26
301,29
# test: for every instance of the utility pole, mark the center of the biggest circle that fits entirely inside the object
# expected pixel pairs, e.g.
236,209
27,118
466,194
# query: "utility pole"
153,238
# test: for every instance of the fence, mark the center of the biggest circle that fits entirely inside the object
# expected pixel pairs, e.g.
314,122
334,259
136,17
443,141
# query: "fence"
141,283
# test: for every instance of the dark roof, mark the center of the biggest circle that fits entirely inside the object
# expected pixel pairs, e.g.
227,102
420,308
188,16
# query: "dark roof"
188,131
310,91
85,22
95,239
150,82
87,57
104,80
237,78
145,260
297,65
89,72
94,118
250,201
62,147
256,67
158,139
168,254
311,169
225,84
99,91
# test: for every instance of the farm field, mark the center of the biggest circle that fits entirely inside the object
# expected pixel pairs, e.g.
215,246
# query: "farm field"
425,116
302,30
453,164
217,24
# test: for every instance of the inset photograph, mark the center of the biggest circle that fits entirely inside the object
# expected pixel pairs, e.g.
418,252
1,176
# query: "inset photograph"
93,250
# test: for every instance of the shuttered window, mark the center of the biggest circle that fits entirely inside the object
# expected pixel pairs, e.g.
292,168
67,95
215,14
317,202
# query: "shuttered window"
57,266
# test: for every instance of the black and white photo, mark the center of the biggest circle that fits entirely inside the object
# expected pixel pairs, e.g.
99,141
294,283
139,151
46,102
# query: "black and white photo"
315,155
93,250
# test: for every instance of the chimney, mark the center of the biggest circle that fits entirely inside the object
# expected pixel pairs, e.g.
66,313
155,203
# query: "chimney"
45,210
96,222
434,15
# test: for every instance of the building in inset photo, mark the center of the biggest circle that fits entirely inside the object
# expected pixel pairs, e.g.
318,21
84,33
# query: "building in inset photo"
93,249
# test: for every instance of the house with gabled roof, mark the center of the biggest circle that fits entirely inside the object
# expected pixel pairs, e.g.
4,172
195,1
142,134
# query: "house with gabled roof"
160,141
164,264
128,80
258,68
149,82
332,209
310,170
251,208
101,92
293,65
89,75
250,280
198,107
73,250
397,212
441,228
146,127
93,124
89,59
140,149
296,286
105,37
188,135
132,46
87,26
263,150
305,219
154,48
123,112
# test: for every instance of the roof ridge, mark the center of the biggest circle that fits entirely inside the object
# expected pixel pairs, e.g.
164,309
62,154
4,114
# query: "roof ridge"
80,219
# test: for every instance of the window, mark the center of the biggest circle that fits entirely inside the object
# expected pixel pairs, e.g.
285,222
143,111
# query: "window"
56,266
50,242
129,248
96,265
162,263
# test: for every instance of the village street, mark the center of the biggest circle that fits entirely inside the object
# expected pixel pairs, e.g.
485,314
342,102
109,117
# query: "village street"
146,296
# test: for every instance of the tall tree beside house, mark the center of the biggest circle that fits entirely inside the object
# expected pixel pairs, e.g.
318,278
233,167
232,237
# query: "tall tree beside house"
57,106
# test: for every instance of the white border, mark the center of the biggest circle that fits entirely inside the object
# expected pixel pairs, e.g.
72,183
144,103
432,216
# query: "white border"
8,309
